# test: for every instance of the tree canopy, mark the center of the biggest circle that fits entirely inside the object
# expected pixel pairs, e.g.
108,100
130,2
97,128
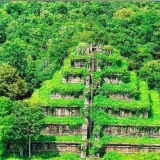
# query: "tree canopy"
37,36
24,122
150,72
11,84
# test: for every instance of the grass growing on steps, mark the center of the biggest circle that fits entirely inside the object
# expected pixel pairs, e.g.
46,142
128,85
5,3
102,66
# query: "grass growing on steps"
112,155
102,118
45,156
50,138
119,65
129,140
106,139
142,104
138,156
71,121
43,95
130,87
63,156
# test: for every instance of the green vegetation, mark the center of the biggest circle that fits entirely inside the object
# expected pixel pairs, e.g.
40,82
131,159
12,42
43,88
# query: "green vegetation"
2,148
68,103
64,156
72,121
138,156
42,96
37,38
23,124
5,107
101,118
105,139
67,68
128,140
46,156
130,88
150,73
47,138
12,85
34,40
143,103
71,156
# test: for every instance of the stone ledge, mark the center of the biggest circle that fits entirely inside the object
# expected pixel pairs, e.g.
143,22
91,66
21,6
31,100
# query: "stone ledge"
59,129
130,148
120,130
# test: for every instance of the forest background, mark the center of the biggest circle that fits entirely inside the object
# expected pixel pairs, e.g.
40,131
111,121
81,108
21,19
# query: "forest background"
35,37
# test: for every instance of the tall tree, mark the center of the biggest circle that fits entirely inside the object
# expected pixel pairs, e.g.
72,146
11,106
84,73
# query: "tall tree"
23,124
5,107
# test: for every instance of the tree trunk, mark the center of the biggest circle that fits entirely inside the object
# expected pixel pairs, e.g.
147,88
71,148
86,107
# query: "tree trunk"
29,147
21,152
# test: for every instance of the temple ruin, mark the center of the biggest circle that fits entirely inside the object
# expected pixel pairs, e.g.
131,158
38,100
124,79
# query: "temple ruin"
87,98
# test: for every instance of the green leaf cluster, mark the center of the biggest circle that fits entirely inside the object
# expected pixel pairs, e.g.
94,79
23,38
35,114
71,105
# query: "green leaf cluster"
47,138
102,118
71,121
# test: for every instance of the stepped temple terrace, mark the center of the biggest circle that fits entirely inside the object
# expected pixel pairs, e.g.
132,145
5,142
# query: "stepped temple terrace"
94,105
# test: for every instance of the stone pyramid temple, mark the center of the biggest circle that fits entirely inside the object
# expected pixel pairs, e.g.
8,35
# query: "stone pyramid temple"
94,104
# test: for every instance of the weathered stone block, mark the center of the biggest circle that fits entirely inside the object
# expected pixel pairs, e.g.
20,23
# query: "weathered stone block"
78,63
86,101
83,151
75,79
84,132
97,136
88,83
58,129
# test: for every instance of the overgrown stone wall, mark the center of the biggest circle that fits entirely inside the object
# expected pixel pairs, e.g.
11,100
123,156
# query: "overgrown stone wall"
128,148
62,111
126,113
59,147
115,130
121,96
113,79
59,129
78,63
92,80
73,79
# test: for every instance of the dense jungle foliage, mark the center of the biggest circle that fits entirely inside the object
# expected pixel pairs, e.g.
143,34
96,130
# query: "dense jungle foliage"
35,38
